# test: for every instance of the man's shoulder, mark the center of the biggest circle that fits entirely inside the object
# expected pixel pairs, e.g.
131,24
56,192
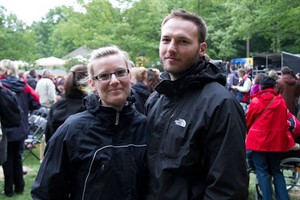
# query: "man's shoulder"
80,118
216,85
212,91
44,81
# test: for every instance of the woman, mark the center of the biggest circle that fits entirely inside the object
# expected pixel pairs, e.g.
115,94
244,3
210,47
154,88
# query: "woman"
98,153
268,137
255,87
70,103
139,88
28,100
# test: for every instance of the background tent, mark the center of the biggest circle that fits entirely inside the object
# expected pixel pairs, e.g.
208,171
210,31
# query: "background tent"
275,61
50,62
80,52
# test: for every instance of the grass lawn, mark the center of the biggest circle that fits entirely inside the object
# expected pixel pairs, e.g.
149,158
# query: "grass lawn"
32,165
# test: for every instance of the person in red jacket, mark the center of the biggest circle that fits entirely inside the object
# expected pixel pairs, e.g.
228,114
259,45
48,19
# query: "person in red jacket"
268,137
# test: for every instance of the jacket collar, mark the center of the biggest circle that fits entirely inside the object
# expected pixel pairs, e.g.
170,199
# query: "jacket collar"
92,104
197,76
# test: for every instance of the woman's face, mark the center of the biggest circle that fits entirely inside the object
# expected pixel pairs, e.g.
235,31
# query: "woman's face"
114,91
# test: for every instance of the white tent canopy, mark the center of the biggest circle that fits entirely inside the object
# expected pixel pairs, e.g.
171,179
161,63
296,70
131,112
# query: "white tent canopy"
50,62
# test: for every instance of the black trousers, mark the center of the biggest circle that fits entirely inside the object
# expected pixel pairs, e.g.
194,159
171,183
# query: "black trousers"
13,168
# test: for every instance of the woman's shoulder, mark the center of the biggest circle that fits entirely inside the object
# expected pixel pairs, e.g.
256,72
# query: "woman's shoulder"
83,117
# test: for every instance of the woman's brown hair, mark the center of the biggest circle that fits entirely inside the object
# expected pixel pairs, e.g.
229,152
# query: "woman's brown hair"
74,82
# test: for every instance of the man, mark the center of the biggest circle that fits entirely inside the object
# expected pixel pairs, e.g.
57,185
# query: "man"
232,79
289,87
196,128
47,93
31,78
46,89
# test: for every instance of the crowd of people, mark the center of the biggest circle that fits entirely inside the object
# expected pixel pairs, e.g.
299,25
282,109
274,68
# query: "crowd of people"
116,131
270,102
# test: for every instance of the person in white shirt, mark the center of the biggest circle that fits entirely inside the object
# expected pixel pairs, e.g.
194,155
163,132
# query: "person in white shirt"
46,89
243,89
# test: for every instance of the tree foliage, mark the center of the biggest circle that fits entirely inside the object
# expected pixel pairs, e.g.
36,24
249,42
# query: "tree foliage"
134,25
16,39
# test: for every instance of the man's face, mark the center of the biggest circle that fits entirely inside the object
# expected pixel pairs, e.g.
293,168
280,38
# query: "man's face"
179,46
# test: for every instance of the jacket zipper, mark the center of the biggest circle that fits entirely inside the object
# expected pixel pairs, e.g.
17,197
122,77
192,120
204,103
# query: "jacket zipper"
117,118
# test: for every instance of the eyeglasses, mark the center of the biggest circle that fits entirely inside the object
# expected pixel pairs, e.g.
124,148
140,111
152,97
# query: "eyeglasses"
105,76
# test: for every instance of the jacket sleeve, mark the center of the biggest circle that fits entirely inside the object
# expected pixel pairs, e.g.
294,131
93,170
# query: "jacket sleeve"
10,111
34,99
225,153
250,115
52,181
294,125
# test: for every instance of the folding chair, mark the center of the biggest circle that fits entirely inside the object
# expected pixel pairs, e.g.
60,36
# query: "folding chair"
44,111
34,139
39,127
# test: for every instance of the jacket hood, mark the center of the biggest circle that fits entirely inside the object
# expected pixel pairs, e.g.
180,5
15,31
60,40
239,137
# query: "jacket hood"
204,72
141,89
267,95
14,84
289,79
260,92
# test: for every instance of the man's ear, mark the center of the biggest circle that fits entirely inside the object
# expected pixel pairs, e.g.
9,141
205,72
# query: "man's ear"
202,49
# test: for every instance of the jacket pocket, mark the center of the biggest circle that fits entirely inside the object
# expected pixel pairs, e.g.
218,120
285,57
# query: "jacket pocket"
178,135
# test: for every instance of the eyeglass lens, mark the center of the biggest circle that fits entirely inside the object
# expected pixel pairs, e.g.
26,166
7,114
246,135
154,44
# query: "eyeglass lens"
107,76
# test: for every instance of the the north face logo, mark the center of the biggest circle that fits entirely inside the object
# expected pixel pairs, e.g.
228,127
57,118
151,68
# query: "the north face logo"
180,122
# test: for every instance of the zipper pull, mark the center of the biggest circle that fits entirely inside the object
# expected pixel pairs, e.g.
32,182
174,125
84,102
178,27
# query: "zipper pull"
102,168
117,118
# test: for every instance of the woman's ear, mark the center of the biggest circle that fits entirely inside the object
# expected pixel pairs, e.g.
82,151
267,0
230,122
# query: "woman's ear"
93,85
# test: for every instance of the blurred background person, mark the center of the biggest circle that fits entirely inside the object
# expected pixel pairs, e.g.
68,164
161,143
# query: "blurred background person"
273,74
46,89
71,101
255,86
288,86
243,89
32,78
59,87
269,137
152,78
232,79
22,76
133,74
28,101
10,116
2,72
139,88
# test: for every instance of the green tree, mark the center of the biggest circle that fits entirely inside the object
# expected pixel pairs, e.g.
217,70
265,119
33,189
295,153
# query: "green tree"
134,25
143,36
48,42
16,39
